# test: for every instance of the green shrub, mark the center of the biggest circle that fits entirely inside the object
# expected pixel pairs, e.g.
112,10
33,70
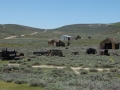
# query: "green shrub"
107,66
37,82
83,71
113,70
19,81
8,80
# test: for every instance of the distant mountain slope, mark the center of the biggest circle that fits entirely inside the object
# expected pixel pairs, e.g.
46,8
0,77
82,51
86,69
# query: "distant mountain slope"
87,28
115,25
18,29
14,29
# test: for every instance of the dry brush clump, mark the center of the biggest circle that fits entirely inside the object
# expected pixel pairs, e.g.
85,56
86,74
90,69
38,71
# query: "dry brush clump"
83,71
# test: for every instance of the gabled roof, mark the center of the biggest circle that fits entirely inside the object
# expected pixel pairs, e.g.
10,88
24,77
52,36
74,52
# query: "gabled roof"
66,36
112,40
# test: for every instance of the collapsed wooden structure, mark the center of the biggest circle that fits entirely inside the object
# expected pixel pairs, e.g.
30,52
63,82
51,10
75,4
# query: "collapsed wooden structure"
55,52
40,53
51,52
9,54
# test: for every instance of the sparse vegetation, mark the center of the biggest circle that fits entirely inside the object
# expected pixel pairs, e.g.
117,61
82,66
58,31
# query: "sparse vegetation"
27,78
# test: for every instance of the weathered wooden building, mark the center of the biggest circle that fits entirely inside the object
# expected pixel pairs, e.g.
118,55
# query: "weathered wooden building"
57,43
66,38
109,43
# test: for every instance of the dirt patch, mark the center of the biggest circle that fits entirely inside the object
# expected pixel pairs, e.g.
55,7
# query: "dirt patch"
10,37
16,65
33,33
22,35
75,69
45,31
48,66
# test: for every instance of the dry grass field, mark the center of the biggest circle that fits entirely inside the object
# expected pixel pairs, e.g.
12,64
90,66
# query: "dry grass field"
71,72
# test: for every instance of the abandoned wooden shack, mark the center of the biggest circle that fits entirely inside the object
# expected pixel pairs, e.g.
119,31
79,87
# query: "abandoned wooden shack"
55,42
67,38
8,54
109,43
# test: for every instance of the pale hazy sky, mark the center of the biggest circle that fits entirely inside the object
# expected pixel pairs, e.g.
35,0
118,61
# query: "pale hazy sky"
48,14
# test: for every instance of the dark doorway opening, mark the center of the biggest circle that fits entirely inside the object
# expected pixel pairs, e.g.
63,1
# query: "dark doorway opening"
108,45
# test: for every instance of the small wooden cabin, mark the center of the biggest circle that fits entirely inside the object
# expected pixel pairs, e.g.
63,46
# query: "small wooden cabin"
109,43
57,43
66,38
